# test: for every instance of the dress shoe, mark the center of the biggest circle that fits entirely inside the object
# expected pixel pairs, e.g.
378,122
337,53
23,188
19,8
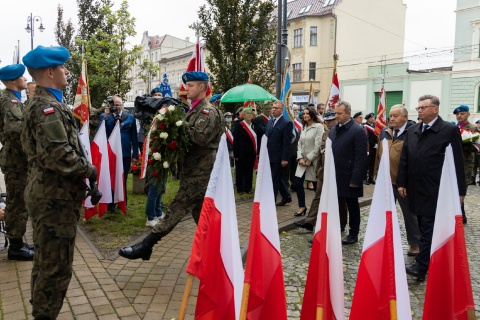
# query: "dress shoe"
413,251
283,202
303,224
301,213
113,210
414,271
350,239
20,252
310,241
365,182
139,250
371,181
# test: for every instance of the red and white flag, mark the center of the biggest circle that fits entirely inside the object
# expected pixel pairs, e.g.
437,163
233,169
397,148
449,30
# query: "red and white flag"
115,158
449,288
83,139
334,92
381,290
99,151
197,63
381,121
146,150
81,104
263,270
216,259
324,287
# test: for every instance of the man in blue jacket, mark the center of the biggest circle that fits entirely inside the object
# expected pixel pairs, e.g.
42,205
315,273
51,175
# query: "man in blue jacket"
128,132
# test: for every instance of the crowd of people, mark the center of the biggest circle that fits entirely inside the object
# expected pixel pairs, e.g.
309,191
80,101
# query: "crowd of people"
41,138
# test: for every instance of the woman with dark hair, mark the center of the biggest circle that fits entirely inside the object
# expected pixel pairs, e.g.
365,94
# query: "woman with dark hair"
245,148
307,153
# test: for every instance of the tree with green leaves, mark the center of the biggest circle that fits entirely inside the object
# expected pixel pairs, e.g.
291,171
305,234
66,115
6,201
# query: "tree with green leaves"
148,70
240,39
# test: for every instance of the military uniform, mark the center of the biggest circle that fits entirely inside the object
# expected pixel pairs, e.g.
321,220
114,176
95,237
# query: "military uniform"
206,126
13,162
55,188
468,153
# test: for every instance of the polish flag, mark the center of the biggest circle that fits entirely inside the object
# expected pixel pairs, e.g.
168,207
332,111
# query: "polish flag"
381,121
81,104
324,290
449,288
381,290
263,271
99,151
196,63
84,140
216,259
115,158
334,92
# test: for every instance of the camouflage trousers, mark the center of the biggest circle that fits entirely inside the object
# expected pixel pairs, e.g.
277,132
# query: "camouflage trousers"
54,230
16,215
190,195
468,158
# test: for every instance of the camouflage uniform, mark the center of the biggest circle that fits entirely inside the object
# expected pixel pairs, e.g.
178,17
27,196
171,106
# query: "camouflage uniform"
13,162
54,193
206,127
468,153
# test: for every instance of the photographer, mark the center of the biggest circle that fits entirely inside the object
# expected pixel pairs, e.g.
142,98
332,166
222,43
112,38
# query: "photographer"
128,132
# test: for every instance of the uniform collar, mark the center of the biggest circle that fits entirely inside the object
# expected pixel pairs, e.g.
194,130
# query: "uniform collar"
58,94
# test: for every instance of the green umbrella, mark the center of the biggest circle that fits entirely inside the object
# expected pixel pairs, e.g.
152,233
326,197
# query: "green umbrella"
247,92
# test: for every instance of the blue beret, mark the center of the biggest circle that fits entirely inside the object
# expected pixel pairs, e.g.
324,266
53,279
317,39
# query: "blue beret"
156,89
478,121
329,115
194,76
12,72
46,57
369,115
461,108
357,114
215,97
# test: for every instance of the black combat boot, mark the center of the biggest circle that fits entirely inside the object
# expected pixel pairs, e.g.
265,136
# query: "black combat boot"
472,181
141,250
19,250
464,216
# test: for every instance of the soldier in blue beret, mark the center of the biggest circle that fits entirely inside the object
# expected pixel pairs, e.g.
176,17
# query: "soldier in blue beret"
215,97
462,108
205,127
13,160
462,113
358,118
56,181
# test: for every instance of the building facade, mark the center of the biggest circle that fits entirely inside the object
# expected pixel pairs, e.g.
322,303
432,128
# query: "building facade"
319,29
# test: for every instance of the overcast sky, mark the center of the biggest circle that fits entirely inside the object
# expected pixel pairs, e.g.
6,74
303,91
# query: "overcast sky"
429,24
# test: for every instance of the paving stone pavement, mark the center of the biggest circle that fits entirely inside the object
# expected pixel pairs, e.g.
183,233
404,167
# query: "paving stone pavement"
296,256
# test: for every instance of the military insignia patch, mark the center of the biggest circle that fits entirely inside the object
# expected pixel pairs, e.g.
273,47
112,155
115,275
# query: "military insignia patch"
14,101
48,110
205,111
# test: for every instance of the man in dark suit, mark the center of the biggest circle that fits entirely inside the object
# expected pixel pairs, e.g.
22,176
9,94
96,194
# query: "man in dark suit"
280,133
128,133
420,171
349,143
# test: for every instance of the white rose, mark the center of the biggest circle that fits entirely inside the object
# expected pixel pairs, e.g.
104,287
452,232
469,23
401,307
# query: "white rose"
160,117
164,135
163,110
171,108
179,123
166,165
157,156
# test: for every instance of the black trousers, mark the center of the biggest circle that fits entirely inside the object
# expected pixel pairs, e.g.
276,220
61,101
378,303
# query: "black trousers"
425,224
244,174
278,182
353,215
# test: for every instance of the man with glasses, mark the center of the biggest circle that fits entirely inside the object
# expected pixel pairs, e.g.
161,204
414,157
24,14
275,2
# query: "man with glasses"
420,171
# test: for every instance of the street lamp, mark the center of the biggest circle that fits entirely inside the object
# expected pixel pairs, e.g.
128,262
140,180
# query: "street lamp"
31,27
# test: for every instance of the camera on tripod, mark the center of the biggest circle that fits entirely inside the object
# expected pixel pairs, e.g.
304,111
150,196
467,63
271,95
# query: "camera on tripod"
111,104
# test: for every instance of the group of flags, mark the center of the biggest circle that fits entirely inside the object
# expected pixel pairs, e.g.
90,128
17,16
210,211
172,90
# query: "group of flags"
226,291
105,154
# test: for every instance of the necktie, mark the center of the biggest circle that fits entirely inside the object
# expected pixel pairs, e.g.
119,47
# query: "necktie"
395,134
425,127
273,123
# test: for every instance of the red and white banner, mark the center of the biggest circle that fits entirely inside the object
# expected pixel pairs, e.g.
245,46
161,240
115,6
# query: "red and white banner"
263,271
99,151
334,93
216,259
83,139
381,121
381,291
449,289
81,104
324,287
146,150
115,158
197,63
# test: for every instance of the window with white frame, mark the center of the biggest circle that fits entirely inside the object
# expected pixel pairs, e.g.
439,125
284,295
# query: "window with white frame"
298,38
313,36
297,72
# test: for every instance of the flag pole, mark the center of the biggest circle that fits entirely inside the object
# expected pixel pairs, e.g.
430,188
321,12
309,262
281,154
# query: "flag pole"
244,306
335,58
186,295
310,92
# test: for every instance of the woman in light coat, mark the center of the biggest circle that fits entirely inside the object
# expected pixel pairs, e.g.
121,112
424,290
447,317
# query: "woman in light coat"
307,153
